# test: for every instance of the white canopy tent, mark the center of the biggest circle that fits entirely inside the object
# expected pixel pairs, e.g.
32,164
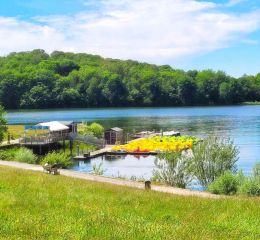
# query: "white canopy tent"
54,126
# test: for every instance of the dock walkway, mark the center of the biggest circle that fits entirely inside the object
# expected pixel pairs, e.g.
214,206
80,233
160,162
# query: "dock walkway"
97,153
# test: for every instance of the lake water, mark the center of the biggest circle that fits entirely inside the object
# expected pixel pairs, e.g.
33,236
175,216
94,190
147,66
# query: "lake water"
127,166
241,123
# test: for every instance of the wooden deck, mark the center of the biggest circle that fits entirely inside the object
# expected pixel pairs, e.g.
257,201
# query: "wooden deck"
44,139
97,153
108,150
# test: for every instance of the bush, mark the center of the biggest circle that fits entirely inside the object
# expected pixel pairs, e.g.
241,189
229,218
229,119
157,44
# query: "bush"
25,155
227,184
251,187
8,154
173,169
212,158
256,171
61,159
93,129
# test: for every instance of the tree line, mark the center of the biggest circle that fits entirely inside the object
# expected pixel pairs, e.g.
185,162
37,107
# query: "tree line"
36,79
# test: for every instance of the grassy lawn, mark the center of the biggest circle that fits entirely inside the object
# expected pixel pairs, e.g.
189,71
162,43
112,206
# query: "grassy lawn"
17,131
251,103
40,206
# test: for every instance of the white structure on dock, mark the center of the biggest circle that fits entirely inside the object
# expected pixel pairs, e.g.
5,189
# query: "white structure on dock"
54,126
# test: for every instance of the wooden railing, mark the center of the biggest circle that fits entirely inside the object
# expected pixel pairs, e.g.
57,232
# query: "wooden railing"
88,139
43,139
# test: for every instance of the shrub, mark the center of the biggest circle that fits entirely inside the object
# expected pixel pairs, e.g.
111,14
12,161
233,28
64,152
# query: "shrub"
256,170
97,130
8,154
250,187
213,157
93,129
61,159
173,169
227,184
25,155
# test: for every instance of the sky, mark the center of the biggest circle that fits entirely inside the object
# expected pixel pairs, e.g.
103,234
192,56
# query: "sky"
187,34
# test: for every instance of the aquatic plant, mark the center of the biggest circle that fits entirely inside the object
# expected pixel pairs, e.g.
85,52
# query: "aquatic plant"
98,169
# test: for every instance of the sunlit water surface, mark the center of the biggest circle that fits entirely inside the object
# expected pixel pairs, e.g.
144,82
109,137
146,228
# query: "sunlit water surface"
241,123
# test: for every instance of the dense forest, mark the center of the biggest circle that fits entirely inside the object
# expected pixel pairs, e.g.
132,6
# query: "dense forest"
38,80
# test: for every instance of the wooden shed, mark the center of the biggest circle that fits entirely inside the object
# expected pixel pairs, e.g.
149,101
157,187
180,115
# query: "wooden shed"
114,136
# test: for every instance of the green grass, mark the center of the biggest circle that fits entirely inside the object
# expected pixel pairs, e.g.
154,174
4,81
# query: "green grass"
251,103
40,206
17,131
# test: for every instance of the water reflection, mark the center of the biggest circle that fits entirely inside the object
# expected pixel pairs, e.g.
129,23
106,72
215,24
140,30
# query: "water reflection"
120,165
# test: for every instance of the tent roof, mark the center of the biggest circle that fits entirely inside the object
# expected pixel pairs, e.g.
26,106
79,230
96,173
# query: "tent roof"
54,126
66,123
116,129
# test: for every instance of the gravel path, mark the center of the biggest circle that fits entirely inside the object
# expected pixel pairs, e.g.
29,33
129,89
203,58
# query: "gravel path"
120,182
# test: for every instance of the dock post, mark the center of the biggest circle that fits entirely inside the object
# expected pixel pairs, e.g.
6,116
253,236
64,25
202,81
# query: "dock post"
71,146
77,150
147,185
40,150
63,144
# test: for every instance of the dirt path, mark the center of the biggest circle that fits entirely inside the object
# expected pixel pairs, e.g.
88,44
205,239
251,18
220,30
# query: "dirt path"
90,177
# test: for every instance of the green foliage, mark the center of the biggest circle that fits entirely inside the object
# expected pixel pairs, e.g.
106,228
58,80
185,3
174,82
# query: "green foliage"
3,123
173,168
93,129
230,183
59,158
250,187
8,154
226,184
38,80
25,155
212,157
256,170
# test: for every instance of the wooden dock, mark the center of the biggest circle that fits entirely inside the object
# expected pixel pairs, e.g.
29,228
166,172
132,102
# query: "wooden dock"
97,153
108,150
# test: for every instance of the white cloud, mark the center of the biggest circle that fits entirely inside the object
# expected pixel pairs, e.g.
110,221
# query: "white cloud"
232,3
154,31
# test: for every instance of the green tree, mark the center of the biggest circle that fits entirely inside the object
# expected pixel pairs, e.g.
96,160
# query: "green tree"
80,80
115,91
38,97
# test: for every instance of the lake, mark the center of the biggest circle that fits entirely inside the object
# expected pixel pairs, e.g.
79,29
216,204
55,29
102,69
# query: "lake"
241,123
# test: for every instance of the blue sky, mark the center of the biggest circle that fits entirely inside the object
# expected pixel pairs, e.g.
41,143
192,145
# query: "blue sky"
187,34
